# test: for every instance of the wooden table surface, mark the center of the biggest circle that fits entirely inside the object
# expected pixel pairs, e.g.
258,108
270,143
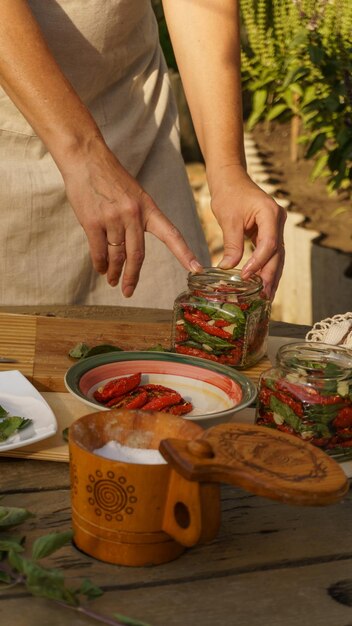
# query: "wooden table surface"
271,564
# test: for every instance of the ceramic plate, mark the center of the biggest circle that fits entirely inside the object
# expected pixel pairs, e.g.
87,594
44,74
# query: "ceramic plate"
19,397
216,391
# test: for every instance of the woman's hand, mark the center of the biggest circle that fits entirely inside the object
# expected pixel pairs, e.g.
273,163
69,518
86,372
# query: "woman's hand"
108,202
114,212
243,209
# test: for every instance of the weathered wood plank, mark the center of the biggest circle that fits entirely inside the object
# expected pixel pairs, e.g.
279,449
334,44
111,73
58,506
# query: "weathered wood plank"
255,534
19,476
279,597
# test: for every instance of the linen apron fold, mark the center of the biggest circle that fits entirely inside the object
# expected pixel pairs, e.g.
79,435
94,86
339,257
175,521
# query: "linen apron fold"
109,50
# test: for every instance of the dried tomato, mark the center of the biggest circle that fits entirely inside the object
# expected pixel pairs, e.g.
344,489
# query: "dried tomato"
117,387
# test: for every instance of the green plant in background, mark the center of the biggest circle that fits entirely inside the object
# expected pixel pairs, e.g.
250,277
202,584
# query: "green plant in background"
297,63
164,36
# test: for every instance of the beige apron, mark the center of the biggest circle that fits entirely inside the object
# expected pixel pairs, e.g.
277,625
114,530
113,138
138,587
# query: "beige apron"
109,51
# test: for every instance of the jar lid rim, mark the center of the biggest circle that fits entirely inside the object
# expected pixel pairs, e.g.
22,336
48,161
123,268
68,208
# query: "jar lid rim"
232,277
312,353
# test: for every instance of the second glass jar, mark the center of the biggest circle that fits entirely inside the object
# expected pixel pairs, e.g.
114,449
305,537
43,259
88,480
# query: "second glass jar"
222,318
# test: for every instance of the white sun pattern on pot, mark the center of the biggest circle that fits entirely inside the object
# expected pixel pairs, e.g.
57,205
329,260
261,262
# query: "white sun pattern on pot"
336,331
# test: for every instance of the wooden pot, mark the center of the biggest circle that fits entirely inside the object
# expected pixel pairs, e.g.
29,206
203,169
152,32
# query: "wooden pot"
138,514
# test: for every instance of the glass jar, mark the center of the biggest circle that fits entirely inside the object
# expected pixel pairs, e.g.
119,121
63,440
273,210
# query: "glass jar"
222,318
309,394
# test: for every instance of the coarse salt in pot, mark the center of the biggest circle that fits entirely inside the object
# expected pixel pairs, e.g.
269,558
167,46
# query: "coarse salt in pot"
222,317
309,394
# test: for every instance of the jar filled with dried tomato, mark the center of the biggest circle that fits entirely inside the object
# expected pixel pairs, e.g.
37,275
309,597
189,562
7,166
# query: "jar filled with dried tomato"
222,317
309,394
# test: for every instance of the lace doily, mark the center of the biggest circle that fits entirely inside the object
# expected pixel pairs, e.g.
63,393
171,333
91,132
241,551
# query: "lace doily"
336,330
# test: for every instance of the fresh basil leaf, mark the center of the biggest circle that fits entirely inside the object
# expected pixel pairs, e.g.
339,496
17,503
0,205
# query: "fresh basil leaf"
65,433
200,336
102,349
231,313
16,561
9,425
286,412
43,546
5,577
79,350
157,348
12,516
48,583
24,423
3,412
7,544
89,590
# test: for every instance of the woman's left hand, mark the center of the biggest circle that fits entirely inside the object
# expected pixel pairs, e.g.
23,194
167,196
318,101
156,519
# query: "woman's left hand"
243,210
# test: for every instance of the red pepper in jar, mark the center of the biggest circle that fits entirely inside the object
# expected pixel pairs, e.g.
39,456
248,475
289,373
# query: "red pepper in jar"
117,387
191,310
265,395
232,357
203,354
344,418
208,328
293,404
221,323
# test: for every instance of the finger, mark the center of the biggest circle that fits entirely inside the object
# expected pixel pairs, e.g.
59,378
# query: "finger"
116,257
97,246
270,227
233,248
272,271
135,252
161,227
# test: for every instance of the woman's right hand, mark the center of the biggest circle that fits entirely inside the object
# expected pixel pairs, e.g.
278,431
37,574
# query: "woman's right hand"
114,209
109,204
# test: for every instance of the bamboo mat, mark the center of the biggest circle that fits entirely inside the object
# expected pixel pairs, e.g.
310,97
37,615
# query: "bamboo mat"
17,341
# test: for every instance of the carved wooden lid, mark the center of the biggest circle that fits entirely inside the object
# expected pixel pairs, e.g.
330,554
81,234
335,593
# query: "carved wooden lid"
263,461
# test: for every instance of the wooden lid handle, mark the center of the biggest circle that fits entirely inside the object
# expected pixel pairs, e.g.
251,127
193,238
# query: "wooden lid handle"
261,460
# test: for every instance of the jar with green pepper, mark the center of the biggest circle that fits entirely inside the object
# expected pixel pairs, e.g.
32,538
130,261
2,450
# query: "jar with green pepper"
309,394
222,317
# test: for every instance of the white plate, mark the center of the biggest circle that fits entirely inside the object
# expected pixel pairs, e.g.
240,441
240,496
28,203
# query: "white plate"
19,397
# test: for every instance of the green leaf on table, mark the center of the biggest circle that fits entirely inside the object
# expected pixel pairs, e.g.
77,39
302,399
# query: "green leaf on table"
47,583
3,412
5,577
79,350
12,516
89,590
102,349
43,546
82,350
16,561
157,348
123,619
8,543
65,433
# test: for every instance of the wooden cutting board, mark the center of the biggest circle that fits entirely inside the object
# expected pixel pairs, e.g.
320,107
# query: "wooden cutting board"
41,344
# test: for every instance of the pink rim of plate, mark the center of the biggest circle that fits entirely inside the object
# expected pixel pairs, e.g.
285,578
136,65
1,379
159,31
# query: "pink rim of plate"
127,368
